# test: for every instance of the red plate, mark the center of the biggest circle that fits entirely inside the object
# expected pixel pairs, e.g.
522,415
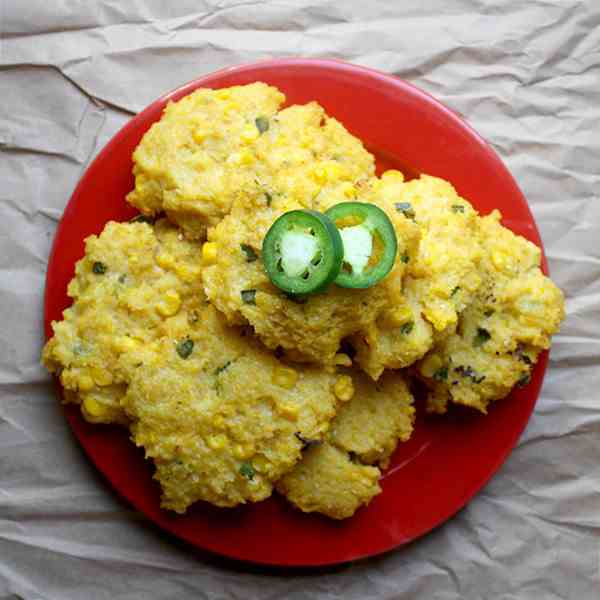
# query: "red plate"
449,458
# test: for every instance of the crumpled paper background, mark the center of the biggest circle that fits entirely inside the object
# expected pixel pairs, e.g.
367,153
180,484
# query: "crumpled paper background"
526,74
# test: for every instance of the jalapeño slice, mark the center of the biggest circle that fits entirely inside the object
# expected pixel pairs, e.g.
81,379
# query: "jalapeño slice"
302,252
369,240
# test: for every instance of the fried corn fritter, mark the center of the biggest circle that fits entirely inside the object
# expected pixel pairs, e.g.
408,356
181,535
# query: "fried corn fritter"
220,416
502,332
398,338
446,272
441,280
329,482
379,415
214,146
197,158
133,280
309,328
339,475
306,156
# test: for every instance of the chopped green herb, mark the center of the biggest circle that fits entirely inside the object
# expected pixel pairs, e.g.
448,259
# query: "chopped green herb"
458,208
441,374
184,348
251,255
78,350
407,327
220,369
142,219
262,124
405,258
465,371
483,335
524,380
522,356
489,312
122,278
247,471
248,296
455,291
99,268
470,373
406,209
269,198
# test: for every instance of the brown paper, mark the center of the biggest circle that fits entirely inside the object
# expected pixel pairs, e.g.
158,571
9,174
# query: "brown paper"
526,75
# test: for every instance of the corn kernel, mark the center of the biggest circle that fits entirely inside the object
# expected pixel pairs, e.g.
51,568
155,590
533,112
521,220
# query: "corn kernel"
333,171
501,262
222,94
529,321
187,273
101,377
209,253
327,173
85,383
348,190
320,175
199,135
243,450
392,176
288,411
306,141
124,344
498,259
216,442
430,365
285,377
170,304
343,360
399,316
93,408
246,157
344,388
165,261
249,134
